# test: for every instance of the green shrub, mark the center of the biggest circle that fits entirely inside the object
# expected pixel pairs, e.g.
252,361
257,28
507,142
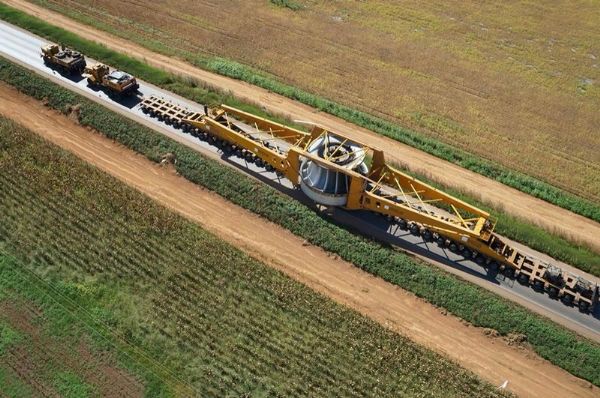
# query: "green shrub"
292,5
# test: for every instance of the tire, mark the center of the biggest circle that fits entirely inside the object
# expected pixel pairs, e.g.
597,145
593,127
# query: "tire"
427,235
584,307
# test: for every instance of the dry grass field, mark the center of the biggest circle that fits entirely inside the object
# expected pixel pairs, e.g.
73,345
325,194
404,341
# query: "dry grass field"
516,82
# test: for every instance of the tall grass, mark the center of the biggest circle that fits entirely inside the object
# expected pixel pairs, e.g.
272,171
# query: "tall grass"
522,182
474,304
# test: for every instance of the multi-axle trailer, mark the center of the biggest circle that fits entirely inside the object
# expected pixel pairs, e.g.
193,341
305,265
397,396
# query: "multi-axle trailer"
334,170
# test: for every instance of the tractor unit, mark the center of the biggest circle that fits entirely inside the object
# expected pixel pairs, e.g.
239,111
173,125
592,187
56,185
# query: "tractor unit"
115,82
65,60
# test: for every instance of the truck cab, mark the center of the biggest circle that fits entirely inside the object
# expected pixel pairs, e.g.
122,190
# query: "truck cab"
116,82
121,82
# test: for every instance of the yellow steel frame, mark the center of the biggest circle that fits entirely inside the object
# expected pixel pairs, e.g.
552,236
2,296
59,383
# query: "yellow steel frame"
376,191
359,197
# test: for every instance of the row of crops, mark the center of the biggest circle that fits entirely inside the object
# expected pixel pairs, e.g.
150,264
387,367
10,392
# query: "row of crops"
471,303
218,319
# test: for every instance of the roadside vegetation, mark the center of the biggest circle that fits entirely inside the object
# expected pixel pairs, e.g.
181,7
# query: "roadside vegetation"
471,303
219,321
520,181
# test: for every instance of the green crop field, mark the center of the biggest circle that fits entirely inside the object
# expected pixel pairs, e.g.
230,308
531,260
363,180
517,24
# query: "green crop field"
560,346
178,297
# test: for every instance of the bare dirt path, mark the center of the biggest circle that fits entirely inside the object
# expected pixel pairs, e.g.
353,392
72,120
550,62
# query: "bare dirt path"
539,212
491,358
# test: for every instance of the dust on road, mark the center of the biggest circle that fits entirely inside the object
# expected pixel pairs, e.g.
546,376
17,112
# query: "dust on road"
491,358
512,201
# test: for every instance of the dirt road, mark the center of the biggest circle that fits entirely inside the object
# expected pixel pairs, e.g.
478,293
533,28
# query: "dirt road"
539,212
491,358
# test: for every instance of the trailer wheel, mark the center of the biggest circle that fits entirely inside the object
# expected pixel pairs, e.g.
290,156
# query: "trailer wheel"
552,292
567,299
414,229
509,272
402,224
492,267
427,235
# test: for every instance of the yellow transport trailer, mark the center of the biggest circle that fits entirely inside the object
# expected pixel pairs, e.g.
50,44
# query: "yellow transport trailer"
334,170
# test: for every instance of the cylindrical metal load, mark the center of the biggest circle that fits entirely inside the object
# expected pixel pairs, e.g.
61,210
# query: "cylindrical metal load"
325,185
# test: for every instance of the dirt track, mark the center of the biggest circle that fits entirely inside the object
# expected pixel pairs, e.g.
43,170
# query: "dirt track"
539,212
490,358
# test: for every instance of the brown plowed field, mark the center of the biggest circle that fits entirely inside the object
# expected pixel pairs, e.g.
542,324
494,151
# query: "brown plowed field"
491,358
541,213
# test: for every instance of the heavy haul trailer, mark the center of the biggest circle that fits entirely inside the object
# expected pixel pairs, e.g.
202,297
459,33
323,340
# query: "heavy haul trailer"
333,170
63,59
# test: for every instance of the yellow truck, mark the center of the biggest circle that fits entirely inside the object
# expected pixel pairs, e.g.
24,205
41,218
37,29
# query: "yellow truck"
63,59
115,82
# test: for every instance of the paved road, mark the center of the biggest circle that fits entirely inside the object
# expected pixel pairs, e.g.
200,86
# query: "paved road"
24,48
